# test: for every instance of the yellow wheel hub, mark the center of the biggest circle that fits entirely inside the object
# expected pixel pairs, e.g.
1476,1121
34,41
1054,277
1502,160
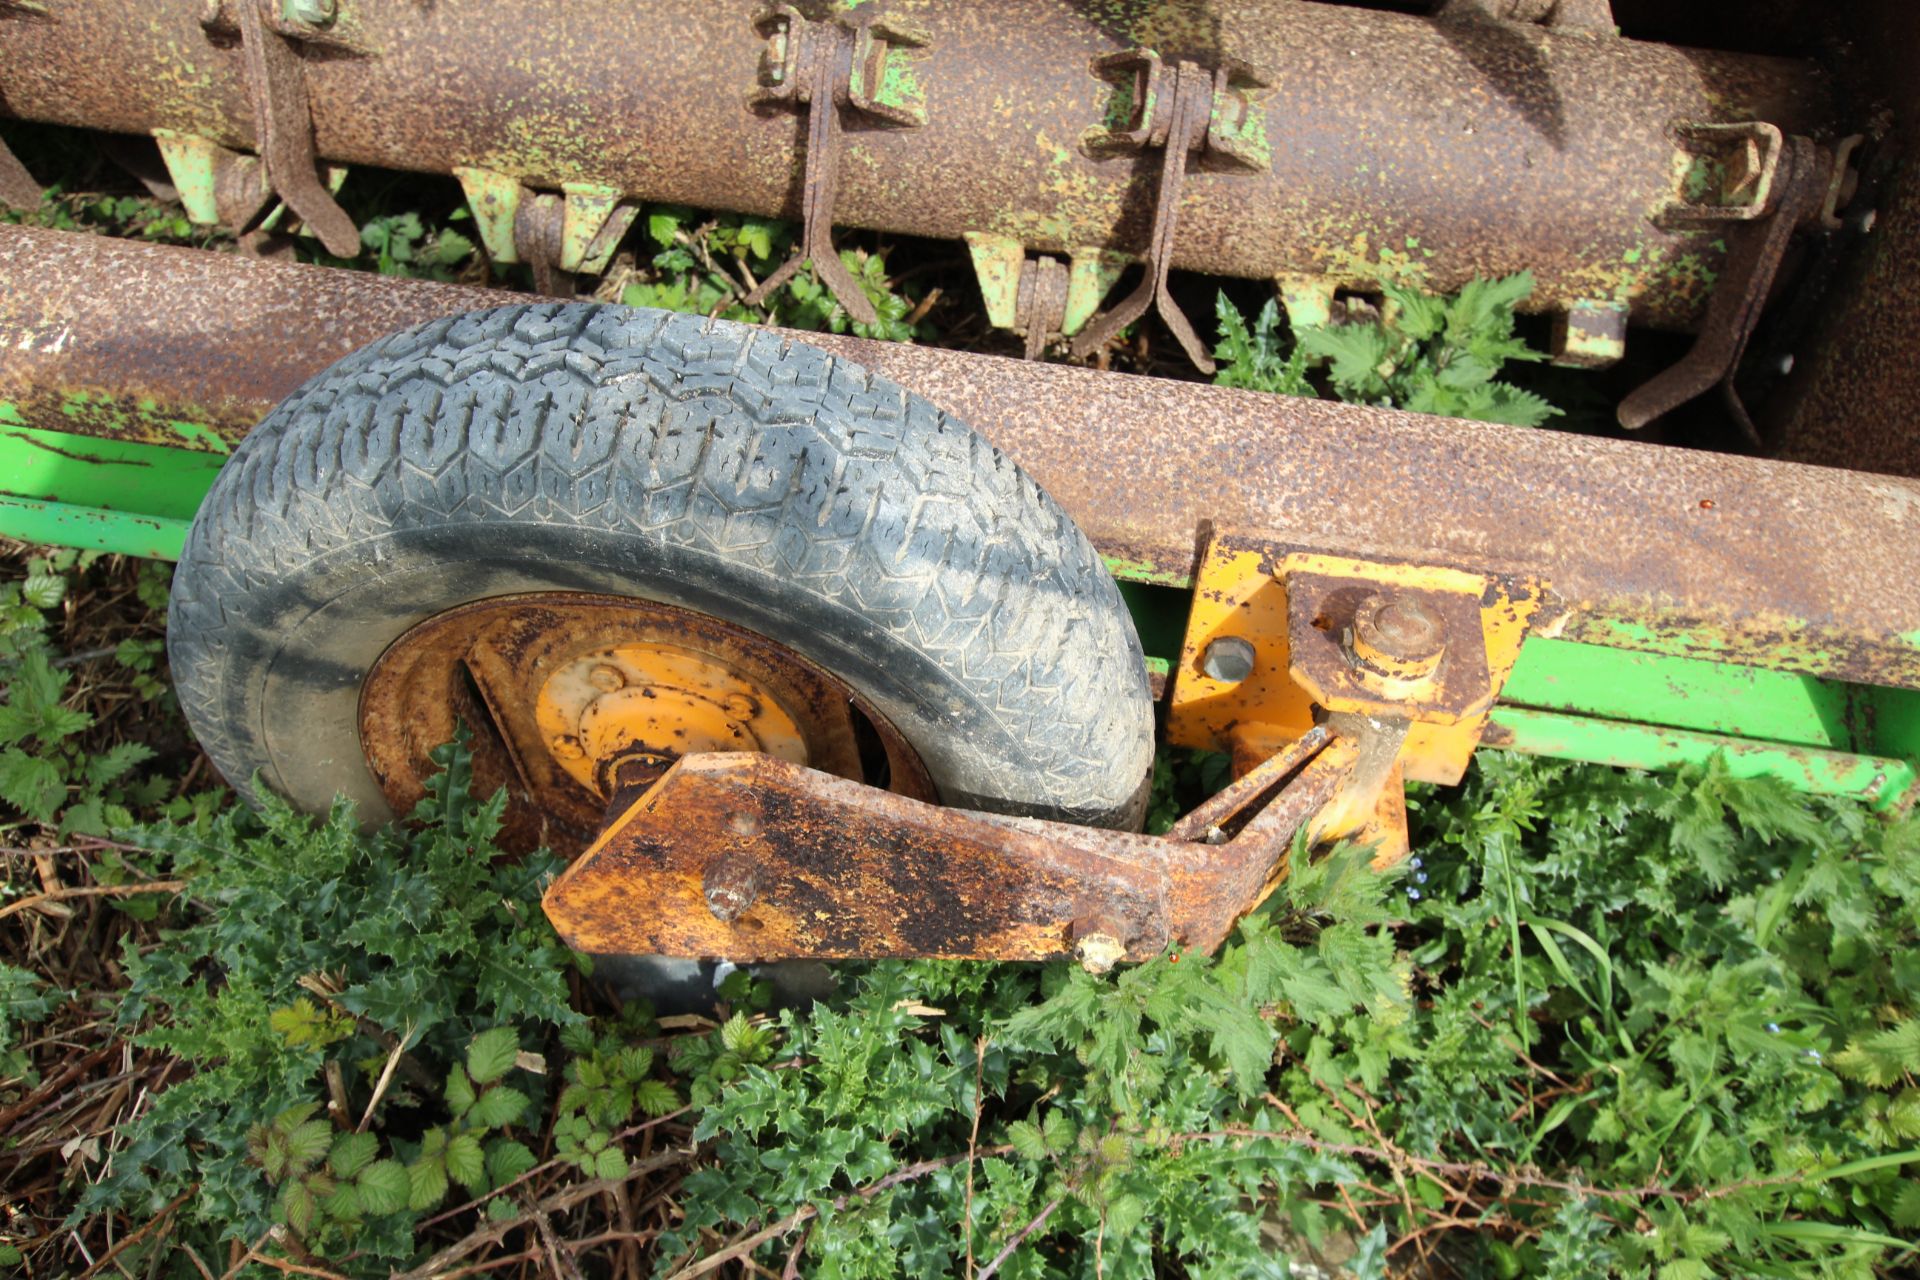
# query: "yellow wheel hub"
661,701
559,690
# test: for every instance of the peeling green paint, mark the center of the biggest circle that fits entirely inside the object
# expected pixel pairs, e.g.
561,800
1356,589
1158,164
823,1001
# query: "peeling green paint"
997,261
494,199
141,421
1883,782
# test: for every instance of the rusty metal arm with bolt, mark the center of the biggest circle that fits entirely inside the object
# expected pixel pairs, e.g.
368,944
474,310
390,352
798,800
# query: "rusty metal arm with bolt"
1379,672
753,858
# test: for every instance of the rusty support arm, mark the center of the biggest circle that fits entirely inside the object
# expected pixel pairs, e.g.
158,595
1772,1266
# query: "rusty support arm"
752,858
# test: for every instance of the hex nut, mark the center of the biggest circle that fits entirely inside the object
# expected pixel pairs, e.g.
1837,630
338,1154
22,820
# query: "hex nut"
1229,659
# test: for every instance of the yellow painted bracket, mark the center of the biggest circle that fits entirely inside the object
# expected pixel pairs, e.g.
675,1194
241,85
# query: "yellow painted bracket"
1270,650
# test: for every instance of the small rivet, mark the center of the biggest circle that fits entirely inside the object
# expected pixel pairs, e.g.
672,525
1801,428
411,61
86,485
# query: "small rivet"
567,747
744,824
607,678
1228,659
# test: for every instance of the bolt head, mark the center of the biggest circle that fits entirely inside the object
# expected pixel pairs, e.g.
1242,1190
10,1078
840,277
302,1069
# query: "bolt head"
1403,628
741,707
567,747
1228,659
730,886
607,678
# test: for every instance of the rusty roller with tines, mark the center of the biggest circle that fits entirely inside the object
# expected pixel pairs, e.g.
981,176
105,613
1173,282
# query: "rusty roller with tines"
1311,144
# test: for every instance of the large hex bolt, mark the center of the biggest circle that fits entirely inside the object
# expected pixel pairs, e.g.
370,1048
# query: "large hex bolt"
1397,636
1228,660
731,884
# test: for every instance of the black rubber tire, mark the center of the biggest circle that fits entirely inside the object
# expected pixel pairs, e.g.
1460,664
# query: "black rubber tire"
643,453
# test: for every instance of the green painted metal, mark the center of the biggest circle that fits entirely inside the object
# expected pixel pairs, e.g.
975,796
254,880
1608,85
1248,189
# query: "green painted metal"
1882,781
1684,693
495,201
593,226
1757,703
996,264
61,525
112,475
1091,272
190,164
109,495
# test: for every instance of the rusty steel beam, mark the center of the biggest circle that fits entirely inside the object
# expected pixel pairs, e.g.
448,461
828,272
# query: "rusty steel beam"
1464,148
1644,547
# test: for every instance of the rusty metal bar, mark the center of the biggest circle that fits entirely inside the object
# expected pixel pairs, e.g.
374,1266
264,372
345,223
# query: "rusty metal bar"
749,857
1642,547
1463,148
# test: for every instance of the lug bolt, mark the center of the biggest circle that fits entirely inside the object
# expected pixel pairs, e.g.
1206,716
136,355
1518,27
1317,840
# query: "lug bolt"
1228,659
314,13
730,886
607,678
567,747
741,707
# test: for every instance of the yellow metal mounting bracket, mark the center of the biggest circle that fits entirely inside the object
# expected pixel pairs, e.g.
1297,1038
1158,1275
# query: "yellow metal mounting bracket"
1282,638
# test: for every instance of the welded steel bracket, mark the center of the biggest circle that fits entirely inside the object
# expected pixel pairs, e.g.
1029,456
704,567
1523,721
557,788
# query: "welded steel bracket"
1193,115
18,190
1281,638
749,857
1765,193
1040,298
852,65
218,186
575,232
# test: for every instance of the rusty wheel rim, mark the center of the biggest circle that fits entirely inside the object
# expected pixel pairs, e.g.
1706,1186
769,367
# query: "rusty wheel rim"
561,691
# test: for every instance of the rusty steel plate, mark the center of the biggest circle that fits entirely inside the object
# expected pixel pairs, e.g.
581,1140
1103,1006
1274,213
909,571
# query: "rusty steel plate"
751,858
